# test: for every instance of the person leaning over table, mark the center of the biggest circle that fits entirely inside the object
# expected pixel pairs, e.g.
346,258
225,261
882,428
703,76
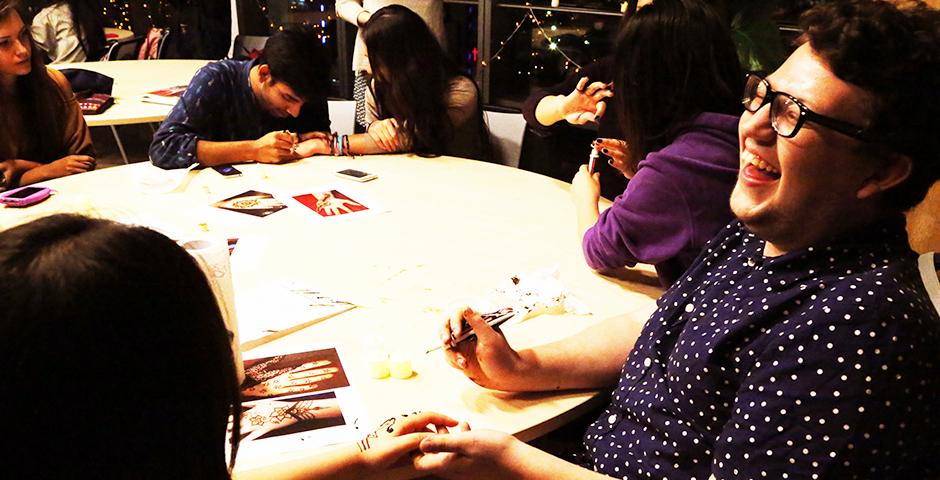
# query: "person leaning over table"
138,380
681,146
42,132
419,101
801,343
254,110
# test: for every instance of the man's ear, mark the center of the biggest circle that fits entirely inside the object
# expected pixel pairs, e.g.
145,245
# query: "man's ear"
890,172
264,73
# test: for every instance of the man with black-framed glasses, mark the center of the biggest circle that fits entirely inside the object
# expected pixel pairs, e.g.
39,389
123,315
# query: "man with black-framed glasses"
801,343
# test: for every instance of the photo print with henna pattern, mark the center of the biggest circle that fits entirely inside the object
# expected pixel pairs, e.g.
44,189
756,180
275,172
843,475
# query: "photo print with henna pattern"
279,417
293,374
252,202
330,203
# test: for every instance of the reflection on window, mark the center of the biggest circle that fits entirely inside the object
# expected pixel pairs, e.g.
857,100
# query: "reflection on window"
545,51
460,27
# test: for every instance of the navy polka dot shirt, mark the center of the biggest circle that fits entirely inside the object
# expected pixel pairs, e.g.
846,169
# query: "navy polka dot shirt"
820,363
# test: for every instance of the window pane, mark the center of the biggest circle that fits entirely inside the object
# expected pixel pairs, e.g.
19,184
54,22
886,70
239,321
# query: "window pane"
460,27
531,59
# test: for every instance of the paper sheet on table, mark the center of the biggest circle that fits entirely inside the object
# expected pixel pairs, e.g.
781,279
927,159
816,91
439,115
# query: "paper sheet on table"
284,307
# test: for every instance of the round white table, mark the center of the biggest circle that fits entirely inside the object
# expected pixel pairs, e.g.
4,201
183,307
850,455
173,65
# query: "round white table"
134,78
114,34
452,229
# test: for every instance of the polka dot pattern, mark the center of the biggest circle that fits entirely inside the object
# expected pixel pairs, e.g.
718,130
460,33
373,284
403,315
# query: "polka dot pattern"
821,363
220,106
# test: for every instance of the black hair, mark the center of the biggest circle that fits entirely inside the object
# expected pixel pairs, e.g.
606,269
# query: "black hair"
118,360
296,57
41,103
674,60
894,54
401,46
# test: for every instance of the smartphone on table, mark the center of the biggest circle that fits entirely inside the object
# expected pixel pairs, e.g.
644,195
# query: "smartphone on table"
356,175
227,171
24,196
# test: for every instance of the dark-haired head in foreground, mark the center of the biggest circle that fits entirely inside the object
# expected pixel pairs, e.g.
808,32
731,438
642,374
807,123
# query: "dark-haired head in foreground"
118,360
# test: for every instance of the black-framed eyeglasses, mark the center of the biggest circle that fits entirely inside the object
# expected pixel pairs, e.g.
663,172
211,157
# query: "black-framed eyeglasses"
787,114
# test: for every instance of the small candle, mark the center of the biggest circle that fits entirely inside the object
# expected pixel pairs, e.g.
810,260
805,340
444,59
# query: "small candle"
400,366
377,365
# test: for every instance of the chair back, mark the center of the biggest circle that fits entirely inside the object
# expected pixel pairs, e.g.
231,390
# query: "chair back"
342,116
248,47
124,49
506,132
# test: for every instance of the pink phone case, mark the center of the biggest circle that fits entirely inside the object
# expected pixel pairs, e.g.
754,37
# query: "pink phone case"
14,198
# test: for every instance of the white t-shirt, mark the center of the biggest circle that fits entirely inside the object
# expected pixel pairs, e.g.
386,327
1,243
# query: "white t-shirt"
432,11
54,33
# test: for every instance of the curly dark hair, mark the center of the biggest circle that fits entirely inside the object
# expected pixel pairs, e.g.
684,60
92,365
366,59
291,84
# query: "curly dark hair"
893,53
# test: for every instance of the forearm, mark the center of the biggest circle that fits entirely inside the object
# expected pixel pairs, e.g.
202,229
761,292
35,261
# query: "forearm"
587,213
220,153
548,111
32,172
526,462
592,358
349,10
340,463
362,144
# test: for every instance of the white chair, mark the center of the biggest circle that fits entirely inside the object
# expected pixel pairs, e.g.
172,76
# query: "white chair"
929,268
342,116
506,132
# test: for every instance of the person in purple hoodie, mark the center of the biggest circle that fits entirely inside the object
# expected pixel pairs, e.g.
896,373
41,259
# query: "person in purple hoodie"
678,81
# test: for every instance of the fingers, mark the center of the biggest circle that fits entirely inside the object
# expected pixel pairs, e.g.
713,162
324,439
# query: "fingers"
313,375
449,443
420,421
482,329
581,84
595,88
601,109
311,365
393,448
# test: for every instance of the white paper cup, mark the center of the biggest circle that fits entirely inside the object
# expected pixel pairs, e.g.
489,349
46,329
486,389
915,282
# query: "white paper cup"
213,257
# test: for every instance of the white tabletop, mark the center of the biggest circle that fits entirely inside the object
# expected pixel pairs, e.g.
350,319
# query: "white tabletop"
111,33
132,79
453,229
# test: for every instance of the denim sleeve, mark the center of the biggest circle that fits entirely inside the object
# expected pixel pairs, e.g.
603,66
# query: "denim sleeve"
174,144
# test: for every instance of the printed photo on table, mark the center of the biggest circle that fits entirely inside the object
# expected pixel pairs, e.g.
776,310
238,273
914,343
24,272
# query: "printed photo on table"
331,203
293,374
258,204
274,418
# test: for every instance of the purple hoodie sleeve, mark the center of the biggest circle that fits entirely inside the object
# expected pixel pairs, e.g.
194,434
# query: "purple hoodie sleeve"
651,222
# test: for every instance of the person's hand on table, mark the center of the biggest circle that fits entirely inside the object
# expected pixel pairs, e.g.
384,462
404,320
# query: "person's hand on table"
275,147
469,454
586,187
488,360
303,378
385,134
618,151
585,103
399,436
70,165
7,172
314,143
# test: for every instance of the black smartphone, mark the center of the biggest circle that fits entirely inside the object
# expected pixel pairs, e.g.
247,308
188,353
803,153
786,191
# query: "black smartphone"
227,171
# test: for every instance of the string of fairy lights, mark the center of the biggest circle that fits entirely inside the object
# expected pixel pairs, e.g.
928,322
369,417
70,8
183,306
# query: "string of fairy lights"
119,12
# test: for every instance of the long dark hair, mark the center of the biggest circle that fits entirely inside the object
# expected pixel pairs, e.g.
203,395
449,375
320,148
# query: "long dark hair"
412,76
40,102
86,17
675,59
117,360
